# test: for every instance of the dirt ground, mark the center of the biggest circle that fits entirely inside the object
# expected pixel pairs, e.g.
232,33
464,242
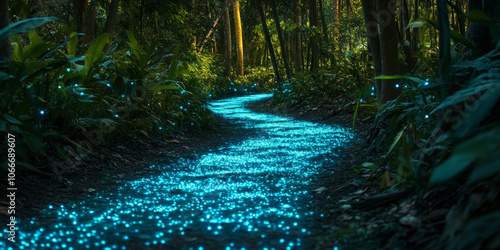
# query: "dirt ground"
358,214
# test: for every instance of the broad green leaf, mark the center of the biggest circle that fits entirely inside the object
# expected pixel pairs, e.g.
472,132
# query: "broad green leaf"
464,154
94,53
416,24
464,94
72,43
12,119
34,37
487,167
60,46
411,78
25,25
134,44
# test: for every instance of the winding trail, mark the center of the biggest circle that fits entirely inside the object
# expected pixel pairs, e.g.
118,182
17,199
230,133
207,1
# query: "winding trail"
252,194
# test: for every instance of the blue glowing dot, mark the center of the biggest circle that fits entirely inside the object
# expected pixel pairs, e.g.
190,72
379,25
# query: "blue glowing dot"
42,112
76,85
116,115
68,69
160,128
373,93
406,86
107,84
373,88
397,85
59,87
426,116
282,240
132,83
426,83
123,95
361,100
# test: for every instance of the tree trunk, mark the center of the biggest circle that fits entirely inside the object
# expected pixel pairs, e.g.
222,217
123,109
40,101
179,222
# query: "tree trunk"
239,38
388,51
313,20
269,44
112,13
281,40
479,34
79,9
227,38
5,48
372,30
297,43
89,22
414,35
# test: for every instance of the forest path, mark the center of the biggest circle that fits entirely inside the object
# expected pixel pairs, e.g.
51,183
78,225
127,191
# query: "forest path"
247,194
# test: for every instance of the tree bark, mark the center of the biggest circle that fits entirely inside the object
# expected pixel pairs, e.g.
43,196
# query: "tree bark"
269,43
78,10
5,48
297,43
227,38
112,13
388,50
313,20
479,34
239,38
372,30
281,40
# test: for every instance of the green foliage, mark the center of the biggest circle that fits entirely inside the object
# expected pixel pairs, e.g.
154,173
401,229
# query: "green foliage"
52,99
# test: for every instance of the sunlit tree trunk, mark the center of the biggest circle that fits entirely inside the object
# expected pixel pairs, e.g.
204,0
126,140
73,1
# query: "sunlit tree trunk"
227,38
388,50
269,43
239,38
280,38
5,48
112,13
313,20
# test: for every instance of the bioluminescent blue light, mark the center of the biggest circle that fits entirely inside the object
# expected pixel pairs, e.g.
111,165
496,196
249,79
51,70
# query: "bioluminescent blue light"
397,85
251,193
426,116
107,84
42,112
68,69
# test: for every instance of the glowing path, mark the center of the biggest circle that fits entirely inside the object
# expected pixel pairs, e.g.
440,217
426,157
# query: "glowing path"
249,195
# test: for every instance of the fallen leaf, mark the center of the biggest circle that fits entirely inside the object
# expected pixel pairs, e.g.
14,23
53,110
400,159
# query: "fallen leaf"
320,190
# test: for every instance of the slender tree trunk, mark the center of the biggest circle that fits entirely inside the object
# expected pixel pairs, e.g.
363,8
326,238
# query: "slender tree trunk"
313,20
269,44
415,35
208,35
297,43
227,39
89,22
239,38
388,51
141,15
444,47
372,30
78,11
281,40
5,48
325,26
112,13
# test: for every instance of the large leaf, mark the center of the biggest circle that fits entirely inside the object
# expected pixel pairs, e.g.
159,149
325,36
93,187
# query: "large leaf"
466,153
410,78
72,43
25,25
94,53
487,167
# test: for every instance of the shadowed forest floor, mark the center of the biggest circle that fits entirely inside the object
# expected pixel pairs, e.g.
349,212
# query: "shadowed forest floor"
354,213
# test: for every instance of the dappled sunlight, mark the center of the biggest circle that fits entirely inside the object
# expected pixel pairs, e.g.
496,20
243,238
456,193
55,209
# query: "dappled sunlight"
250,194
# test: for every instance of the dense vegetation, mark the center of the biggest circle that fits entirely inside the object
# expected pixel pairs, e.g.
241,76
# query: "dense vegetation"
425,73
